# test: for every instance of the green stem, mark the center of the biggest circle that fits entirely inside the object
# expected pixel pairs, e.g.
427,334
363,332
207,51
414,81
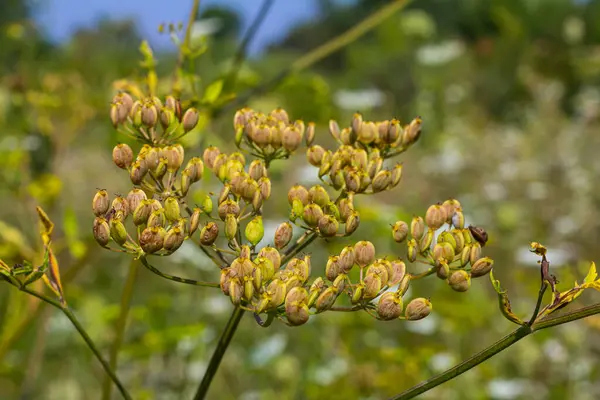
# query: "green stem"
184,50
85,337
176,278
126,296
538,304
217,356
495,348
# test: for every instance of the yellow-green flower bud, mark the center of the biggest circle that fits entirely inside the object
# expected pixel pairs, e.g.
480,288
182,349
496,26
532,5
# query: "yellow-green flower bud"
389,306
465,254
277,291
231,226
194,221
417,227
458,219
447,237
381,181
411,252
152,239
450,206
460,281
481,267
404,284
266,267
298,192
396,175
467,236
332,268
358,292
310,133
100,203
346,207
161,168
328,225
283,235
272,254
174,239
101,231
190,119
156,218
119,204
172,211
412,132
346,259
435,216
459,240
167,118
207,204
400,231
352,222
374,167
210,155
373,286
255,230
443,251
122,155
364,253
475,253
443,269
314,155
118,231
248,288
135,198
317,194
209,233
426,240
149,114
186,182
311,214
236,291
142,212
326,299
331,209
174,105
417,309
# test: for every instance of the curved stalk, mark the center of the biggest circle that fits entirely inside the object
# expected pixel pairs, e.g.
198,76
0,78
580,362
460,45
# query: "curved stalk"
217,356
120,325
176,278
85,337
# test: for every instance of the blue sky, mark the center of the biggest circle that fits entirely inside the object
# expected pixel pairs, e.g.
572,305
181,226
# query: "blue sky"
60,18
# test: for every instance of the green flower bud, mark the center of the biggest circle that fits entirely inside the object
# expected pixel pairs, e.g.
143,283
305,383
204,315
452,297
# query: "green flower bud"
404,284
314,155
318,195
481,267
458,219
161,168
465,254
310,133
174,105
417,227
266,267
210,155
418,309
467,236
374,167
358,292
475,253
119,204
450,206
207,204
325,167
334,129
396,271
277,292
167,118
231,226
156,218
172,211
100,203
326,299
332,268
389,306
228,207
142,212
194,221
458,239
396,175
264,184
248,288
101,231
298,192
372,286
399,231
346,207
272,255
254,230
311,214
443,269
174,239
412,132
352,222
364,253
460,281
136,114
209,233
379,268
236,291
283,235
435,216
152,239
426,240
186,182
328,226
190,119
411,252
447,237
443,251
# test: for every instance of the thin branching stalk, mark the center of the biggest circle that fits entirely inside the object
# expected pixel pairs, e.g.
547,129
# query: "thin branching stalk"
126,296
90,343
176,278
217,356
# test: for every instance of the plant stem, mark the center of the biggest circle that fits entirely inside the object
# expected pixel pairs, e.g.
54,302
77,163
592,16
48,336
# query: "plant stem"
176,278
538,304
495,348
248,36
85,337
323,51
120,325
217,356
300,244
184,50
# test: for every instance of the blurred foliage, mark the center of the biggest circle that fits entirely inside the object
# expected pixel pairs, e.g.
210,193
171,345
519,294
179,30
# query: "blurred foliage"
516,82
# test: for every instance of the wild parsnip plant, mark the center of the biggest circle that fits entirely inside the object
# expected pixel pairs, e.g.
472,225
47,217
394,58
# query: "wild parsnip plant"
276,278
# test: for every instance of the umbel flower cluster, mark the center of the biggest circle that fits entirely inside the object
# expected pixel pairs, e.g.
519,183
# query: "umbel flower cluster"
279,280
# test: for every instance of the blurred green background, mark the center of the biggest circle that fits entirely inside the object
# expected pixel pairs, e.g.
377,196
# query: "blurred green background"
510,94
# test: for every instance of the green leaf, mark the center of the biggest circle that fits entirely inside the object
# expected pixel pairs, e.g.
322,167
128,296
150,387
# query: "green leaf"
504,302
212,92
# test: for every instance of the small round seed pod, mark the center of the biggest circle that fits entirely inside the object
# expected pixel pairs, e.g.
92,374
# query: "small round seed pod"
174,239
255,230
417,228
209,234
298,192
417,309
328,225
435,216
389,306
283,235
311,214
142,212
326,299
352,222
152,239
119,204
135,198
272,255
475,253
396,271
101,231
411,251
400,231
460,281
317,194
364,253
450,206
346,259
332,268
381,181
314,155
231,226
412,132
228,206
172,209
257,169
210,155
481,267
122,155
190,119
373,286
100,203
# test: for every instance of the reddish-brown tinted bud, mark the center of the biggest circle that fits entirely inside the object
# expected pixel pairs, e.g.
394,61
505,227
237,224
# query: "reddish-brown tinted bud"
257,169
481,267
400,231
190,119
209,234
373,286
122,155
174,105
264,184
134,198
272,255
283,235
174,239
328,225
417,228
381,181
310,133
346,259
389,306
314,155
291,138
396,271
412,132
312,214
119,204
152,239
318,195
298,192
418,309
352,222
210,155
374,167
460,281
196,168
435,216
364,253
101,231
346,207
149,114
100,203
450,206
228,207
